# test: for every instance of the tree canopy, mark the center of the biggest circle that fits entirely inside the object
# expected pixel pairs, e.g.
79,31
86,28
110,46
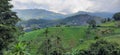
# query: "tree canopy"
101,47
8,20
116,16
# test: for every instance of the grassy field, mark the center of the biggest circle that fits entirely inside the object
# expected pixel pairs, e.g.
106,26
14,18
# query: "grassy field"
73,38
70,36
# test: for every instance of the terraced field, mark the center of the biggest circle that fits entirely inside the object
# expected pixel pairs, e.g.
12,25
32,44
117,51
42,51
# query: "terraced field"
72,38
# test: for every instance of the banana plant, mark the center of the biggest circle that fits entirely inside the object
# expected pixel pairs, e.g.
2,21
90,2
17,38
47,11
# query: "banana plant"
18,49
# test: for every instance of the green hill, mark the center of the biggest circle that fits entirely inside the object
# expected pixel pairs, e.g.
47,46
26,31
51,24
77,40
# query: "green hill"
74,37
71,36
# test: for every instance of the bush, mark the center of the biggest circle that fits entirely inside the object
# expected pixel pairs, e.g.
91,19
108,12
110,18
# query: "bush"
116,16
81,40
19,48
96,37
101,47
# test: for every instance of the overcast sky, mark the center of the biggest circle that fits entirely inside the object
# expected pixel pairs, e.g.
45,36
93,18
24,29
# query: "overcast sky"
69,6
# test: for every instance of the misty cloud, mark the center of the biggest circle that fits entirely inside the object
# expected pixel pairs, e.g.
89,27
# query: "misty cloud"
69,6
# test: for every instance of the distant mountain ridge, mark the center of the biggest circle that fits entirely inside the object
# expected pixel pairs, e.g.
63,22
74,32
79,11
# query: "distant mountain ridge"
76,20
81,19
99,14
40,18
27,14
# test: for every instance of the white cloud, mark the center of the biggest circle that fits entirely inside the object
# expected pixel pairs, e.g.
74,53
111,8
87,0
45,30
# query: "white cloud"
69,6
105,5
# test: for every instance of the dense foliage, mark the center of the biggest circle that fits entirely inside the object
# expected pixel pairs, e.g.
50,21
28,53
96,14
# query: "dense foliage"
92,23
51,45
59,40
8,19
101,47
116,16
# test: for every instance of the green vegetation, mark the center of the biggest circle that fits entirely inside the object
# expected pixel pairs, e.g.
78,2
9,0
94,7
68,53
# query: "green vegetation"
60,40
101,47
67,34
8,20
116,16
73,38
18,49
92,23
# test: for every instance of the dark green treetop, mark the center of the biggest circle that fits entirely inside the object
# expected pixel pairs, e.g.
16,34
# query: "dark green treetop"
8,20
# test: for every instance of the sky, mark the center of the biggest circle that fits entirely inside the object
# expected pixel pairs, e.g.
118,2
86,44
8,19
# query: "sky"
69,6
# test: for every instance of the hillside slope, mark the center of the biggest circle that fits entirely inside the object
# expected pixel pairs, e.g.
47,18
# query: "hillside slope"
76,20
81,19
70,36
73,37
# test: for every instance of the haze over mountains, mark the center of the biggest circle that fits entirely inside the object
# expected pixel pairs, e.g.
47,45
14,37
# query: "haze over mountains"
40,18
81,19
99,14
27,14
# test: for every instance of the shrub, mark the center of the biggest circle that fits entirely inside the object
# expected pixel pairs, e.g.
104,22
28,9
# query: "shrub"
101,47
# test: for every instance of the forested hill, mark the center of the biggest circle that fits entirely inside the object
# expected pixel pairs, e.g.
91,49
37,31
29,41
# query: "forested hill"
76,20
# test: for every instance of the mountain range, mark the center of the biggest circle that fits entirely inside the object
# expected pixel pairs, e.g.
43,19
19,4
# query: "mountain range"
99,14
81,19
39,18
27,14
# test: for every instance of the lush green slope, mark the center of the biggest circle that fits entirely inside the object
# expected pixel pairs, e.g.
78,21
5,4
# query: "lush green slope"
73,38
115,35
70,36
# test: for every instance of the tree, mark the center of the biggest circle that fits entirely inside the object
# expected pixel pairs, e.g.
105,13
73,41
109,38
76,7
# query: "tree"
52,45
101,47
104,20
92,23
108,19
116,16
8,20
